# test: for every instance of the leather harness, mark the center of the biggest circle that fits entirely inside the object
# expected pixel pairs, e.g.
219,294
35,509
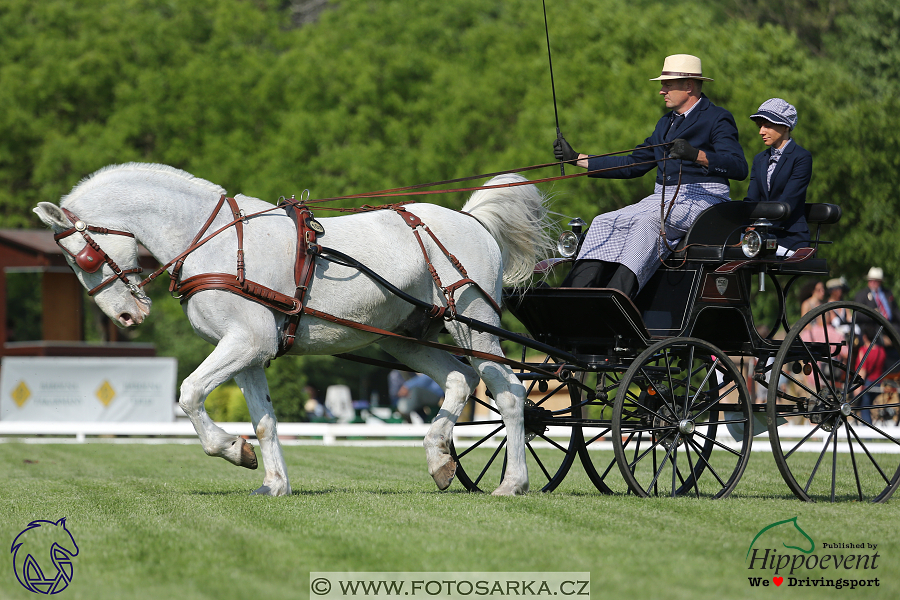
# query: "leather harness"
92,257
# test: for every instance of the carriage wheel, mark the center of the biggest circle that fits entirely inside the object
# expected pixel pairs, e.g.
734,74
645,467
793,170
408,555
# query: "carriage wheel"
678,414
596,450
552,437
823,440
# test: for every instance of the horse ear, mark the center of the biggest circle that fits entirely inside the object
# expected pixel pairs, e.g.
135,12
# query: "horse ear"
52,216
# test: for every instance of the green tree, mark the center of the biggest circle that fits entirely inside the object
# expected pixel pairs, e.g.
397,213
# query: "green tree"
268,98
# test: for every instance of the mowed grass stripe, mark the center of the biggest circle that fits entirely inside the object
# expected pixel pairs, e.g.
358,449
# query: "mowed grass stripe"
167,521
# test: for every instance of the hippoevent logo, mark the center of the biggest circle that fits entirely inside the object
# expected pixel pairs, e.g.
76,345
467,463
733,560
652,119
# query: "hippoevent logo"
42,556
782,553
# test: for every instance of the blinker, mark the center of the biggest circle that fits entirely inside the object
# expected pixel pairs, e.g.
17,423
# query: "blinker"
89,260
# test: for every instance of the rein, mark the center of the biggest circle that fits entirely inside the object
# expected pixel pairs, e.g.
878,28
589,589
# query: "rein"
410,190
92,257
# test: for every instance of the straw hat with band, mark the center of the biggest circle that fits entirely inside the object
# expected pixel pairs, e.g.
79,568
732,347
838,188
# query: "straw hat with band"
681,66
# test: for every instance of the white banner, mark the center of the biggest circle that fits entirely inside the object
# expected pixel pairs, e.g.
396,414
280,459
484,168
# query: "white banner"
87,389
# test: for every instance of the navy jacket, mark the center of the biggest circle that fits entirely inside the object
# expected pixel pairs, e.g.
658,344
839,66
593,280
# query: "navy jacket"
789,182
707,127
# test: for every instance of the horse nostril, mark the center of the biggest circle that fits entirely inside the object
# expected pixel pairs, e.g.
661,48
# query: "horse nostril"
126,318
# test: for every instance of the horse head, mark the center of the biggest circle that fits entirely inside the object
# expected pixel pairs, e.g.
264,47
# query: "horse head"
95,253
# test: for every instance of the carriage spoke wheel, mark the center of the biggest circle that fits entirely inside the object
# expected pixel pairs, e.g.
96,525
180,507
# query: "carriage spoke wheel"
596,450
678,421
552,438
824,440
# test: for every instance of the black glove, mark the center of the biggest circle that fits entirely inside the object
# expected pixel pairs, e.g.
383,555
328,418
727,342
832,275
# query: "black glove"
684,151
563,151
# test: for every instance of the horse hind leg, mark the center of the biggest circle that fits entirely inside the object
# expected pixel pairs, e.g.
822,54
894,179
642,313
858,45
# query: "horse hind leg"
509,395
252,382
458,381
220,366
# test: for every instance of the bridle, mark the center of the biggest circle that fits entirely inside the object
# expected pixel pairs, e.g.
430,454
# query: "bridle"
92,257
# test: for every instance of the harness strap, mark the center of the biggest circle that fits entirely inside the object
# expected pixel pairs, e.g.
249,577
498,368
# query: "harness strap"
465,351
247,289
415,222
304,267
175,273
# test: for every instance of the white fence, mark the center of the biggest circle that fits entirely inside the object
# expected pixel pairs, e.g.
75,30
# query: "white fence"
301,433
382,434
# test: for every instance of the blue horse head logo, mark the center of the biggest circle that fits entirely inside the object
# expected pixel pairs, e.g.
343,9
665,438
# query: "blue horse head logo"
42,556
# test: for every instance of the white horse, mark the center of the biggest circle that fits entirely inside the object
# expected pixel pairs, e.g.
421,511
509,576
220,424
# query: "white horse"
165,208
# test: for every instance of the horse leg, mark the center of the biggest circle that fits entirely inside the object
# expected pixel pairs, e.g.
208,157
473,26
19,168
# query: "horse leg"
509,395
252,382
220,366
458,381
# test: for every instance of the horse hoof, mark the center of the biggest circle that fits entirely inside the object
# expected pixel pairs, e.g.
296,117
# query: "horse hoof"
444,475
510,490
248,456
272,490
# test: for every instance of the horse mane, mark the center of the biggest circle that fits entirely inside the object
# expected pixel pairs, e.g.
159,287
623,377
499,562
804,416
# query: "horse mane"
112,173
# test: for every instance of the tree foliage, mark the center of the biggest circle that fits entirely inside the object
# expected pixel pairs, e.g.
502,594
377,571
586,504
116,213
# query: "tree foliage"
268,98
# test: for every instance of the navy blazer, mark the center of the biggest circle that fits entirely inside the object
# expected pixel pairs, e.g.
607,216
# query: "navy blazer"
789,182
707,127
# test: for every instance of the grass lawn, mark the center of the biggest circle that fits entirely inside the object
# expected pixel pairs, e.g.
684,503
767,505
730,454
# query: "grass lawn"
166,521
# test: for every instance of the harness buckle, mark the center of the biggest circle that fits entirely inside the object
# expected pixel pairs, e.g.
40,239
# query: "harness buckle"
136,291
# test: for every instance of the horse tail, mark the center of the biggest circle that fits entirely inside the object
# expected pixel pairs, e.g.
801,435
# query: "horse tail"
518,219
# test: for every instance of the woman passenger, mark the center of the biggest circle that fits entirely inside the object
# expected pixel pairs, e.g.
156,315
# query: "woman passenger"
781,172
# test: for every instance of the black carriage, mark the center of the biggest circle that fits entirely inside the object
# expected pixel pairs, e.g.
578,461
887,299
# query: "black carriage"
663,381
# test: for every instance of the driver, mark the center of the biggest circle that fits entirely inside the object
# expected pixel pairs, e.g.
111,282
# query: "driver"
622,249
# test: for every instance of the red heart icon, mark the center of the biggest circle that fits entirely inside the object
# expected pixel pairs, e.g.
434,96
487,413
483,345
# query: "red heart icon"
778,580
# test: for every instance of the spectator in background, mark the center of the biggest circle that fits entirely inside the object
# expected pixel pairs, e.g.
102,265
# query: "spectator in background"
871,370
396,379
817,297
839,318
881,299
315,410
419,399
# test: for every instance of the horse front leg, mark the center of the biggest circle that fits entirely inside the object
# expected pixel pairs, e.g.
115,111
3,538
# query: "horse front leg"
221,365
252,382
509,395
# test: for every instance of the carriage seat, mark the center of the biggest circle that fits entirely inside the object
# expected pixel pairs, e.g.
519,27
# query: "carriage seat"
722,224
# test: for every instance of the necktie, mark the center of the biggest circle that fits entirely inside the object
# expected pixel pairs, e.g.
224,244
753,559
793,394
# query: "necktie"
881,306
674,122
773,161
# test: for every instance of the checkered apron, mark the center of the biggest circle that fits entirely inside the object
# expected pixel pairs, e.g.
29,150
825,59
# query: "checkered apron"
630,235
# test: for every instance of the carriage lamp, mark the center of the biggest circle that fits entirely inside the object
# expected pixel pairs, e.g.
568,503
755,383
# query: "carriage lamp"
568,242
757,241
